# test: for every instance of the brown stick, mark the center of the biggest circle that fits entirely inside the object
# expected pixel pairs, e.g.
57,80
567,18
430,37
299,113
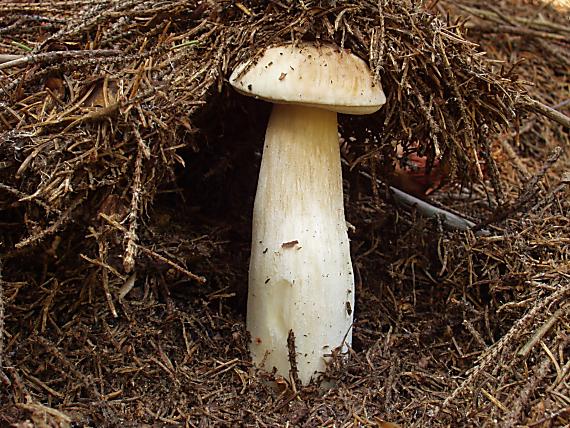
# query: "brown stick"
8,57
519,31
197,278
294,372
50,57
535,106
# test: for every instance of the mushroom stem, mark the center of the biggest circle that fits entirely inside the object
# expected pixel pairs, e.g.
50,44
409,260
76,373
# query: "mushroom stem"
300,274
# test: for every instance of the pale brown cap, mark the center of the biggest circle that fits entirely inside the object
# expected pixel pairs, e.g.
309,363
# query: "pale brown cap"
323,76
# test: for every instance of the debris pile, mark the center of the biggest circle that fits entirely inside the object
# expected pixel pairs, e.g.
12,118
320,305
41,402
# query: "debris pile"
128,170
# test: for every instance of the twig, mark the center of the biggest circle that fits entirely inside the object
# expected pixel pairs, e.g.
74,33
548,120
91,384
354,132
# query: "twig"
57,56
100,263
63,219
41,411
426,209
390,381
294,371
105,277
450,220
197,278
494,400
23,197
476,335
536,106
153,254
529,191
519,31
539,334
4,58
131,235
490,357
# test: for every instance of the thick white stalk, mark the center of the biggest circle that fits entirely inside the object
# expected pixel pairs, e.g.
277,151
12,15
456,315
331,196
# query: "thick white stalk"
300,274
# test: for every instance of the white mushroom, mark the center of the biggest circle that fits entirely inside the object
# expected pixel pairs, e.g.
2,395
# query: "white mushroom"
300,273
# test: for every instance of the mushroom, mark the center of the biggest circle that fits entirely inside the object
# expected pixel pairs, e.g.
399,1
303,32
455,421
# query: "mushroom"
300,273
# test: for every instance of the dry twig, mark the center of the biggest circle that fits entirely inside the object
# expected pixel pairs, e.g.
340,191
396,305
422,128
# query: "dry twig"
520,326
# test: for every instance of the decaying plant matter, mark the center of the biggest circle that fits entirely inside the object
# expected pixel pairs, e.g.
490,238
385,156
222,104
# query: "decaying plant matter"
104,102
125,201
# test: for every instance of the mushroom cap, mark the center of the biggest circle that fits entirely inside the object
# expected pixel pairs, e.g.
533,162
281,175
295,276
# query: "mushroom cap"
322,76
